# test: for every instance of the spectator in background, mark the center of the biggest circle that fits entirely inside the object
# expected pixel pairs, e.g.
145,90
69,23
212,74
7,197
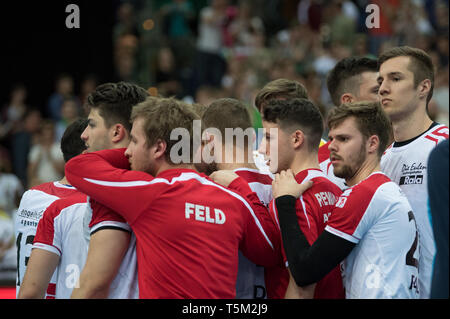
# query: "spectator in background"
88,85
177,18
46,161
245,29
167,77
64,89
11,188
12,114
69,113
22,141
210,64
126,23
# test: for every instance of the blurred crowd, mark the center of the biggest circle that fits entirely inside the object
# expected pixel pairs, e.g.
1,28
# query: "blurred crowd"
200,50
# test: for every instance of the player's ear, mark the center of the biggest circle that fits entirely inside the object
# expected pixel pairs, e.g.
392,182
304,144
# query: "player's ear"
347,98
298,138
424,88
118,132
159,149
373,143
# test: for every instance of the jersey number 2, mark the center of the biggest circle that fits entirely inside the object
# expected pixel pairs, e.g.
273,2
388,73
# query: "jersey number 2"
410,260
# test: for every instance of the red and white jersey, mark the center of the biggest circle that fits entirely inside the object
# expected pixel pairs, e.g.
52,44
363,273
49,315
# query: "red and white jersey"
61,231
32,205
64,230
327,167
250,283
188,228
406,165
125,284
376,216
314,208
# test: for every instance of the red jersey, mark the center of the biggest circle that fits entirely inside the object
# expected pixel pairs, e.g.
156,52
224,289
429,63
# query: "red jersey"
313,209
188,228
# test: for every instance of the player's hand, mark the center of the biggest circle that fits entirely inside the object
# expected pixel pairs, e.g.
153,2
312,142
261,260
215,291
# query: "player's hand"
224,177
285,184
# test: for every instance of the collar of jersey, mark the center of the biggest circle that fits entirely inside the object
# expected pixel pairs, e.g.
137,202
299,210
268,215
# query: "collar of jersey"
400,144
307,174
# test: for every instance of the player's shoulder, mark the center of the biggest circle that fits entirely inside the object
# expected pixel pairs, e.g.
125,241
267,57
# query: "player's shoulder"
56,207
54,189
363,193
371,184
434,135
254,176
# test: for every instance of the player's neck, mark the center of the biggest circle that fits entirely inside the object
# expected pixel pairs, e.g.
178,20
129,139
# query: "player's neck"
241,158
304,161
411,126
370,165
166,166
233,166
64,181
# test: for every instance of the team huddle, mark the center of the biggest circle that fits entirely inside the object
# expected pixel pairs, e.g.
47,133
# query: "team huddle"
147,209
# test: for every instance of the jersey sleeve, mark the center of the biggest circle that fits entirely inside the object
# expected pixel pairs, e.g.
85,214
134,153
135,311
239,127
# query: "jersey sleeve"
47,237
261,241
346,220
105,177
105,218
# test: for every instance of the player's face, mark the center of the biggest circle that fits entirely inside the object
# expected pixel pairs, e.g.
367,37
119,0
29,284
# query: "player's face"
96,135
138,152
275,148
368,89
397,94
347,149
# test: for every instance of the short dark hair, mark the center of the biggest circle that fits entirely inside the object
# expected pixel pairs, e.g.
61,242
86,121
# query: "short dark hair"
343,77
371,119
280,89
115,101
71,142
294,114
226,113
420,64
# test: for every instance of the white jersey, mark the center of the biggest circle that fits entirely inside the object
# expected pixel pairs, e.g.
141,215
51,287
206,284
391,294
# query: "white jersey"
376,216
32,205
406,165
64,230
61,231
250,282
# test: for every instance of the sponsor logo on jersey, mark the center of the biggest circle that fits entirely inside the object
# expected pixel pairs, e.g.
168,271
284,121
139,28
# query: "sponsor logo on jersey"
412,174
411,179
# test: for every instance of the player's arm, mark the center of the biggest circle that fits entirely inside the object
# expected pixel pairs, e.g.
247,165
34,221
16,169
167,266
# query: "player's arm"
261,242
40,268
107,248
44,257
110,237
295,292
105,176
308,264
